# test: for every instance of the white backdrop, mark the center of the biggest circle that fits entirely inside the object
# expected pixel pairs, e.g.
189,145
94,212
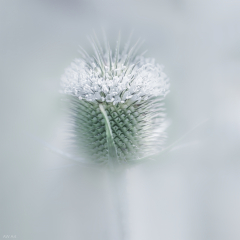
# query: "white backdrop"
190,193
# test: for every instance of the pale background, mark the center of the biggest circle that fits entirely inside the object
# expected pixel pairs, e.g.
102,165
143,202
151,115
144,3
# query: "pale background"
190,193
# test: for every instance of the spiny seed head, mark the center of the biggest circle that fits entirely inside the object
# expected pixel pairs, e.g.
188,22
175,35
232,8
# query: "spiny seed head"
131,89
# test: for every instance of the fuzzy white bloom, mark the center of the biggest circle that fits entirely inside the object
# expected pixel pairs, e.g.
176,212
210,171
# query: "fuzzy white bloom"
103,79
116,101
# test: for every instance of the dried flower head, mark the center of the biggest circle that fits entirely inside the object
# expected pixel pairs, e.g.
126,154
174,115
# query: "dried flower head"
116,104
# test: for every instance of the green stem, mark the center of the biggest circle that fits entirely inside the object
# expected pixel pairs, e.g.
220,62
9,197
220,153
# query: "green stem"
118,194
117,180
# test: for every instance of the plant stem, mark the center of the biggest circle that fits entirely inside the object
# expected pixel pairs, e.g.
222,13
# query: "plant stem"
118,193
117,179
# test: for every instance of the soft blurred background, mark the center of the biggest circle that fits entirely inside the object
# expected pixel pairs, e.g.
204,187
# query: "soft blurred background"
192,192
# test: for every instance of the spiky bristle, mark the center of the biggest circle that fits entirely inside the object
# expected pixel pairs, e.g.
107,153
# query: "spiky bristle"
130,88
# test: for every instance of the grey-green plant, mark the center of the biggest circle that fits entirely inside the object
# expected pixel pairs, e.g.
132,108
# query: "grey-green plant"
116,103
116,114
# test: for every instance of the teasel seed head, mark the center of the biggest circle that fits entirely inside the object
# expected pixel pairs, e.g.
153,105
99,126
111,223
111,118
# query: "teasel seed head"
116,104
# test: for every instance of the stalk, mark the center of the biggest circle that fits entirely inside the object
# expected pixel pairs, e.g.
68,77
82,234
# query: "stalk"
117,180
118,195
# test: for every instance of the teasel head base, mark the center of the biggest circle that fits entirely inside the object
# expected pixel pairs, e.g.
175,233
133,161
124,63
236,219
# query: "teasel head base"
118,134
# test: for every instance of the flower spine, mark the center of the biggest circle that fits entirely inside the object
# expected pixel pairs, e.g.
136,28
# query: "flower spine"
116,99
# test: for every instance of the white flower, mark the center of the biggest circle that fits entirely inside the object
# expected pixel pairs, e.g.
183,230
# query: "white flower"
122,91
114,78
